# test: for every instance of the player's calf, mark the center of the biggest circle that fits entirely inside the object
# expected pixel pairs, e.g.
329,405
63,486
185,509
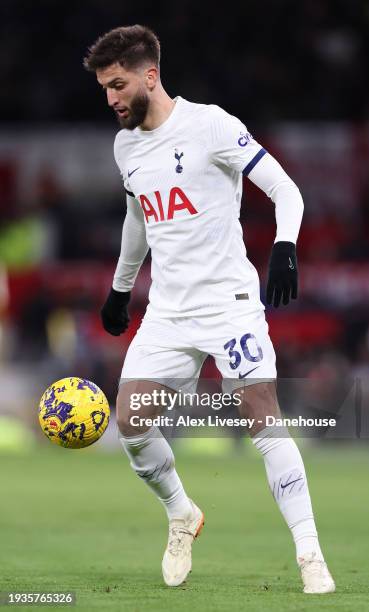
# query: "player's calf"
288,483
149,453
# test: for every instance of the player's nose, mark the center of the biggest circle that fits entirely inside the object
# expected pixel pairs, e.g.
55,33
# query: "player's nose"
112,96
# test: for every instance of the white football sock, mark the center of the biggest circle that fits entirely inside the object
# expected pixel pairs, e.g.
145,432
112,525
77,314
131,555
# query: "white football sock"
152,459
287,480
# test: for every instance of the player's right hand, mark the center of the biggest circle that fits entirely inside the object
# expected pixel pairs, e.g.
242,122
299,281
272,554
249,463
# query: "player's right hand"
114,313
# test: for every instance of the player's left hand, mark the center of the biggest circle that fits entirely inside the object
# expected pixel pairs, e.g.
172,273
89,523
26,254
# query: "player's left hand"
283,275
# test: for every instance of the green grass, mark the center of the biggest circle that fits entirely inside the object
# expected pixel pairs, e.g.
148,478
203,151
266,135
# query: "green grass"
82,521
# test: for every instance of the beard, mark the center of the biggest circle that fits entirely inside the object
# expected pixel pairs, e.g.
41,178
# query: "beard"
136,112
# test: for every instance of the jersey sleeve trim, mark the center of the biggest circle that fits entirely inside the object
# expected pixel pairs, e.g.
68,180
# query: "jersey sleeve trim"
130,193
246,171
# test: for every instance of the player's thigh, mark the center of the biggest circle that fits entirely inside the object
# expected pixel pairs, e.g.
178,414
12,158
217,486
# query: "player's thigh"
159,353
246,359
242,348
156,360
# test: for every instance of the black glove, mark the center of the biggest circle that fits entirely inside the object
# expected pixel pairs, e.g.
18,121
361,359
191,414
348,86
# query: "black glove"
114,313
283,277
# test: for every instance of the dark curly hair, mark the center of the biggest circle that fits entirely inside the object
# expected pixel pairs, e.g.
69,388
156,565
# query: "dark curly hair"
130,46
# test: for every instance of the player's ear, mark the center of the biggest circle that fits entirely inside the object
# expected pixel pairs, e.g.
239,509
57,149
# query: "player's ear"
151,77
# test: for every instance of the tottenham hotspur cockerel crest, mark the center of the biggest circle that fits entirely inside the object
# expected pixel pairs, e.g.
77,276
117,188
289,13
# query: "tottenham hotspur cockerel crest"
178,156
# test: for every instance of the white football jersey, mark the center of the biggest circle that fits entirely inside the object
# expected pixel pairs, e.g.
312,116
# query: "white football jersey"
186,175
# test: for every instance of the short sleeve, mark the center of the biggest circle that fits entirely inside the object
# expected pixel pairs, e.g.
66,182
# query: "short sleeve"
232,145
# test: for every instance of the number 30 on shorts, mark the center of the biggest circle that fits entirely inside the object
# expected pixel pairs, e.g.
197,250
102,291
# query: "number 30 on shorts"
249,347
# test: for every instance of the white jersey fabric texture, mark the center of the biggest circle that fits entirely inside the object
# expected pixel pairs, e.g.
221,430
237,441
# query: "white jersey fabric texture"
184,184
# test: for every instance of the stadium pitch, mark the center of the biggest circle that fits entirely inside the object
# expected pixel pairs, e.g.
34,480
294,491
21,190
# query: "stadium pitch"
81,521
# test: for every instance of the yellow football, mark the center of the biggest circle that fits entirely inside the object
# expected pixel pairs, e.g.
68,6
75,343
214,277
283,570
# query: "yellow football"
73,412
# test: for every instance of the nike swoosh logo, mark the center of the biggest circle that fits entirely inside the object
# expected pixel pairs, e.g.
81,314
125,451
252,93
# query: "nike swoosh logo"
249,372
289,483
290,265
130,173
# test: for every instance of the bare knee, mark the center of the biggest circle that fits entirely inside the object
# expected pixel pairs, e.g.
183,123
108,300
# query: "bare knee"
259,401
132,417
127,425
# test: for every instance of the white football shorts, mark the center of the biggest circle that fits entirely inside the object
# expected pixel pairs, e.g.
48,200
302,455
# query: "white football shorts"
171,351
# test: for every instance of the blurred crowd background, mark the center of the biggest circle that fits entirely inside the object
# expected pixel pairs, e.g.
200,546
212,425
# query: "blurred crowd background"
295,72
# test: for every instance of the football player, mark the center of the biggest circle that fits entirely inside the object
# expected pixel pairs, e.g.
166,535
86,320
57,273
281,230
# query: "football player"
183,166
